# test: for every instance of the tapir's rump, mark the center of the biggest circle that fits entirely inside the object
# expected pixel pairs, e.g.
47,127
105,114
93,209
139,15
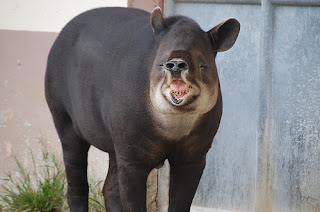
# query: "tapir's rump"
143,88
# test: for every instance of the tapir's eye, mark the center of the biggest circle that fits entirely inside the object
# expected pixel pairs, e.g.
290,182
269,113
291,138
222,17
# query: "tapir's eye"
203,66
160,64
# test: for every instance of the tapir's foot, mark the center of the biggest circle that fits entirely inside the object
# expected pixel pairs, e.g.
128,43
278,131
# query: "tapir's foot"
78,203
78,198
113,201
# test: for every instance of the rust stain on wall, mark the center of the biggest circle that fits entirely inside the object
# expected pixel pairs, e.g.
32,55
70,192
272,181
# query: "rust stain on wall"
5,115
147,5
8,148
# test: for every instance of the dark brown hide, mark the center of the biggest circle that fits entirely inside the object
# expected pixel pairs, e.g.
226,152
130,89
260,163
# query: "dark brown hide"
109,83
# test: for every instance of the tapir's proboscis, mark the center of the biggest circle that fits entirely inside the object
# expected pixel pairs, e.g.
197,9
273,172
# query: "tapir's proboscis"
142,88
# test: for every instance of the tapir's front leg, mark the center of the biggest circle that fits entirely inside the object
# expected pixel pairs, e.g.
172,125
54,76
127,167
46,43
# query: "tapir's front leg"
75,157
132,182
184,180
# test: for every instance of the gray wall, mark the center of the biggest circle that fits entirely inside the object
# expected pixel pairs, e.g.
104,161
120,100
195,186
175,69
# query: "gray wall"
266,155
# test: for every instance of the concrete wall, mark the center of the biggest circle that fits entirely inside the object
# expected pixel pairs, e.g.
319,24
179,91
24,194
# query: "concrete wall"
47,16
27,31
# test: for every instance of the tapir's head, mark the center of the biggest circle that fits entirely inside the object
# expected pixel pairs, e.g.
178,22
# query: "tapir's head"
184,74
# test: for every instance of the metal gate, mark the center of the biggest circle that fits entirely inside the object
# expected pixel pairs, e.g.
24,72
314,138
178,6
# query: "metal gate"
266,154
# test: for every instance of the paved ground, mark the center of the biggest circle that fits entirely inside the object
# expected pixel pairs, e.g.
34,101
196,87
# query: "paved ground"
200,209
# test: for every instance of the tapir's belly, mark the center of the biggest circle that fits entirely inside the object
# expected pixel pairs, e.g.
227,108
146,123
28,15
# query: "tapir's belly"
87,120
95,134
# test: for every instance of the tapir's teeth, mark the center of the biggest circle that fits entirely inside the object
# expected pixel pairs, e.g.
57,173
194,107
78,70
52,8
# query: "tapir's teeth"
180,93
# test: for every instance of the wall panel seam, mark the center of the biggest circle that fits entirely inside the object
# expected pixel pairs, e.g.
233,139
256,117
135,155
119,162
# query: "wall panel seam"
264,170
248,2
311,3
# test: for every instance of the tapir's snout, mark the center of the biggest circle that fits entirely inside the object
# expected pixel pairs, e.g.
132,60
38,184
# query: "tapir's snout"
176,67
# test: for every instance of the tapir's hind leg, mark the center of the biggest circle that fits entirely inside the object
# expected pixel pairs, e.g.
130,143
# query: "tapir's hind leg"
75,151
111,191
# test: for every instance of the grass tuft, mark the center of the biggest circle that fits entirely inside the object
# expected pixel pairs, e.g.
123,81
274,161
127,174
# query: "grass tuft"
96,199
48,194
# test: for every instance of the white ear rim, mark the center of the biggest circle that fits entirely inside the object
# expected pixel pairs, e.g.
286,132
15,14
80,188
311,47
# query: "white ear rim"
157,20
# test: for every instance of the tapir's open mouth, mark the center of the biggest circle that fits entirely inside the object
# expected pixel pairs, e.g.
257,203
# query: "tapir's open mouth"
178,90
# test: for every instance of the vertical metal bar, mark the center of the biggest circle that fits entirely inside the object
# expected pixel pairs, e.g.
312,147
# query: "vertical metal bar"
152,191
163,187
264,146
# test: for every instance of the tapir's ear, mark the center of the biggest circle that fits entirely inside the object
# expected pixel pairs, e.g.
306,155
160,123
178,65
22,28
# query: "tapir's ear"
225,34
157,20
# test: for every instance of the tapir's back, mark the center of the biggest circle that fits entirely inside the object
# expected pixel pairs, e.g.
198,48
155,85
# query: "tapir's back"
91,67
103,36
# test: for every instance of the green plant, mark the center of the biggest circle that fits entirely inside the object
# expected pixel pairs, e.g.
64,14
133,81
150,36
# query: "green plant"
96,200
49,191
19,194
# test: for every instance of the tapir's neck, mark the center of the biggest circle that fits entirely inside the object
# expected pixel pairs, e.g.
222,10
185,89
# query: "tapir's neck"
175,126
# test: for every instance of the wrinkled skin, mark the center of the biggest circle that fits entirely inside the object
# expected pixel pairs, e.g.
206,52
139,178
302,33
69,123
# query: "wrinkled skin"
142,88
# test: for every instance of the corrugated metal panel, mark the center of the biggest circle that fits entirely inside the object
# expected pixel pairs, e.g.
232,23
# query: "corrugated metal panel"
266,155
296,109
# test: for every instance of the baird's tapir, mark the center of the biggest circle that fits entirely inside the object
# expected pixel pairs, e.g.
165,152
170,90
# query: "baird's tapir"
142,88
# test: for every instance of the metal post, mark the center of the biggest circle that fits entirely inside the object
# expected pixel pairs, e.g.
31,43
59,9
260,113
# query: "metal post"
264,146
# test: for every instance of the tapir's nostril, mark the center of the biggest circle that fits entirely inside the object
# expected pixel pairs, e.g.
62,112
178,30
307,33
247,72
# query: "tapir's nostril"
176,66
171,66
182,65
